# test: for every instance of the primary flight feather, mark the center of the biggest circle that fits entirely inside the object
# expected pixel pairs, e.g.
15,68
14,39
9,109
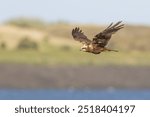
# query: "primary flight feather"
97,45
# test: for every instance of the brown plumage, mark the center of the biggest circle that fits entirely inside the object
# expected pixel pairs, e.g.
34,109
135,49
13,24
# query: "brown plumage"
97,45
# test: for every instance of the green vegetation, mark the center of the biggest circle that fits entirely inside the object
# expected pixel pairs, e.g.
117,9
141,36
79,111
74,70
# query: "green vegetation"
20,39
52,55
26,43
3,45
27,23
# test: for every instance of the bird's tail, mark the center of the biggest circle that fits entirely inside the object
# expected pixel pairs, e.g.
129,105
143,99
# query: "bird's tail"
106,49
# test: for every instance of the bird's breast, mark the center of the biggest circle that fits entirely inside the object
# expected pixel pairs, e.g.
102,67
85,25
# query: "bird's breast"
95,49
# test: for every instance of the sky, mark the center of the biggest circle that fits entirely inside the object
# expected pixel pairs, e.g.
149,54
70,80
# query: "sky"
78,11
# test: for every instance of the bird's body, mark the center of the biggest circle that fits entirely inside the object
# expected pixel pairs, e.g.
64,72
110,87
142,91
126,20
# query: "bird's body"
93,48
97,45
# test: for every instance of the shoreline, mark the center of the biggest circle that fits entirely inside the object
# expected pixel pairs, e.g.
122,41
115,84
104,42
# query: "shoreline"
76,77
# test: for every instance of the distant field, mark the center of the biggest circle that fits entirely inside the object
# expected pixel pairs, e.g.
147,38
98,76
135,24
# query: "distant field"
55,45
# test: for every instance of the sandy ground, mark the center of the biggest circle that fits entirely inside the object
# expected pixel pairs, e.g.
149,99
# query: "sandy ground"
28,76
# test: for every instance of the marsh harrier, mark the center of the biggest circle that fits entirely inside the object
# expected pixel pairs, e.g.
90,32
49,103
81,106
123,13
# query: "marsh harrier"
97,45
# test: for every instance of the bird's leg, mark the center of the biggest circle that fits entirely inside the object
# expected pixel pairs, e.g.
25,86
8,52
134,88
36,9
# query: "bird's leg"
106,49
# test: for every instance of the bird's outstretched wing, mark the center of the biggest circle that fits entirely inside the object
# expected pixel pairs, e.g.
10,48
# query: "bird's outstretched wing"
103,37
78,35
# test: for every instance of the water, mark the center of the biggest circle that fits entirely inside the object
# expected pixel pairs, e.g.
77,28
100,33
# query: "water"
71,94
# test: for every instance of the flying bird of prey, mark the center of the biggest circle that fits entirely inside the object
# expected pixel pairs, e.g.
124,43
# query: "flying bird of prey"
97,45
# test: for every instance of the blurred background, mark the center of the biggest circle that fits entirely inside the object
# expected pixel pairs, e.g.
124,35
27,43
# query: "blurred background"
40,60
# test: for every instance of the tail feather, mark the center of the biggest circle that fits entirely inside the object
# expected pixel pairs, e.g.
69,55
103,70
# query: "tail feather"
106,49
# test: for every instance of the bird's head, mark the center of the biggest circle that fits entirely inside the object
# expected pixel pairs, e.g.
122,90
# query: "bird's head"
84,48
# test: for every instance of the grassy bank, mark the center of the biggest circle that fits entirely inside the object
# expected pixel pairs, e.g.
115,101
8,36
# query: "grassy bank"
53,55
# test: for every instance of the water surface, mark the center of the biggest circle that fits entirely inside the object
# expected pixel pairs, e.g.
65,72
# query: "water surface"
72,94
